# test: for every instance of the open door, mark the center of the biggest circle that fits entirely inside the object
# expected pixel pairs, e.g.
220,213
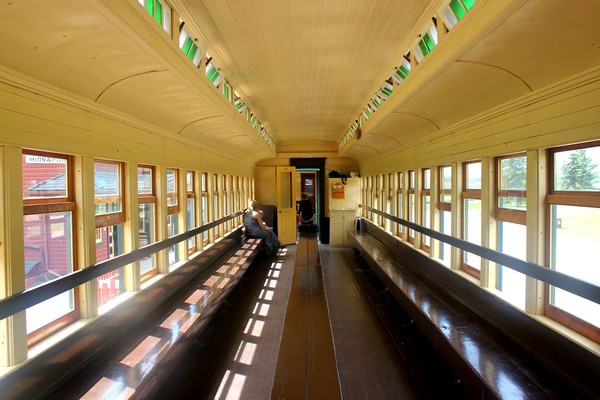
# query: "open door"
286,205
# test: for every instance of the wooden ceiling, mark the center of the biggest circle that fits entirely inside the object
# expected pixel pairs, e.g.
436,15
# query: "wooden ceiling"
307,68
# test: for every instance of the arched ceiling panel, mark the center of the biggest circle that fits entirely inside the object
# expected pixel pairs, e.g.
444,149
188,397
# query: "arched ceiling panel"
543,41
159,98
69,44
216,134
362,151
403,127
462,90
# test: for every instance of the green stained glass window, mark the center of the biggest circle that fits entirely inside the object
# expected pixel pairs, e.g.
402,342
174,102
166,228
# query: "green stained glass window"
227,91
468,3
158,13
150,7
428,41
212,74
400,73
423,47
404,70
192,51
187,45
457,8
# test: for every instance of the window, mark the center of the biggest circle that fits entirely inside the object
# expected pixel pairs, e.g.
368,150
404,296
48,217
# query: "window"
110,217
215,204
367,195
412,203
204,205
238,102
160,11
147,217
574,217
377,199
383,199
187,44
460,7
426,206
173,210
213,73
190,177
224,198
511,204
48,207
238,205
427,42
244,198
399,202
226,90
389,201
402,70
252,188
471,195
445,211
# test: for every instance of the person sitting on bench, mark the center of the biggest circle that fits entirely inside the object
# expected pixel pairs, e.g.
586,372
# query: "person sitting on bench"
257,228
305,209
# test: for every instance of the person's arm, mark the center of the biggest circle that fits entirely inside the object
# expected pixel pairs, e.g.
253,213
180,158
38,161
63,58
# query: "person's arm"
261,223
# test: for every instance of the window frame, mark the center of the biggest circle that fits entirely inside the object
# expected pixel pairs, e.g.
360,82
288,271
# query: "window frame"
204,208
400,202
149,198
474,194
191,194
225,206
216,203
389,200
108,220
569,198
378,199
425,192
112,218
444,207
411,190
502,214
53,205
173,208
506,214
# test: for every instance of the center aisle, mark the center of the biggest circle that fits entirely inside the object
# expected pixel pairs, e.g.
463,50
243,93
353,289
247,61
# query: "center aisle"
306,367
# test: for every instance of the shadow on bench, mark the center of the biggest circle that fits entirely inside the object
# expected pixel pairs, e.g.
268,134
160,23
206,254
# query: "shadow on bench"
131,349
455,316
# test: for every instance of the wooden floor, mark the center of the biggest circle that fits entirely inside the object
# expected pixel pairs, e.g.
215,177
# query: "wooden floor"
306,367
311,323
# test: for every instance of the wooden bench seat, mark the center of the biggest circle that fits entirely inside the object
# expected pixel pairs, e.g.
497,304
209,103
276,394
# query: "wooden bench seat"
130,350
487,361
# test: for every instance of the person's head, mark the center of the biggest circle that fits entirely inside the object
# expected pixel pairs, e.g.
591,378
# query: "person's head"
304,195
253,205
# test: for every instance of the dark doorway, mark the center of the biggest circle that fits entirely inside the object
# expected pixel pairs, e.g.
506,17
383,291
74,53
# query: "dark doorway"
308,186
316,165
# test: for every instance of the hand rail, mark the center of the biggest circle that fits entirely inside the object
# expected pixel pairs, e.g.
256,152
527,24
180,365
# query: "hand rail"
569,283
30,297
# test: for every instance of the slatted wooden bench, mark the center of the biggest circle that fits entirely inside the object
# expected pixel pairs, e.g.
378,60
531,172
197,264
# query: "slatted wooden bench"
130,350
489,364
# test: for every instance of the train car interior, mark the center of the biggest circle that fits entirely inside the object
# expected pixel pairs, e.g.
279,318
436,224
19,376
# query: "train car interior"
449,150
